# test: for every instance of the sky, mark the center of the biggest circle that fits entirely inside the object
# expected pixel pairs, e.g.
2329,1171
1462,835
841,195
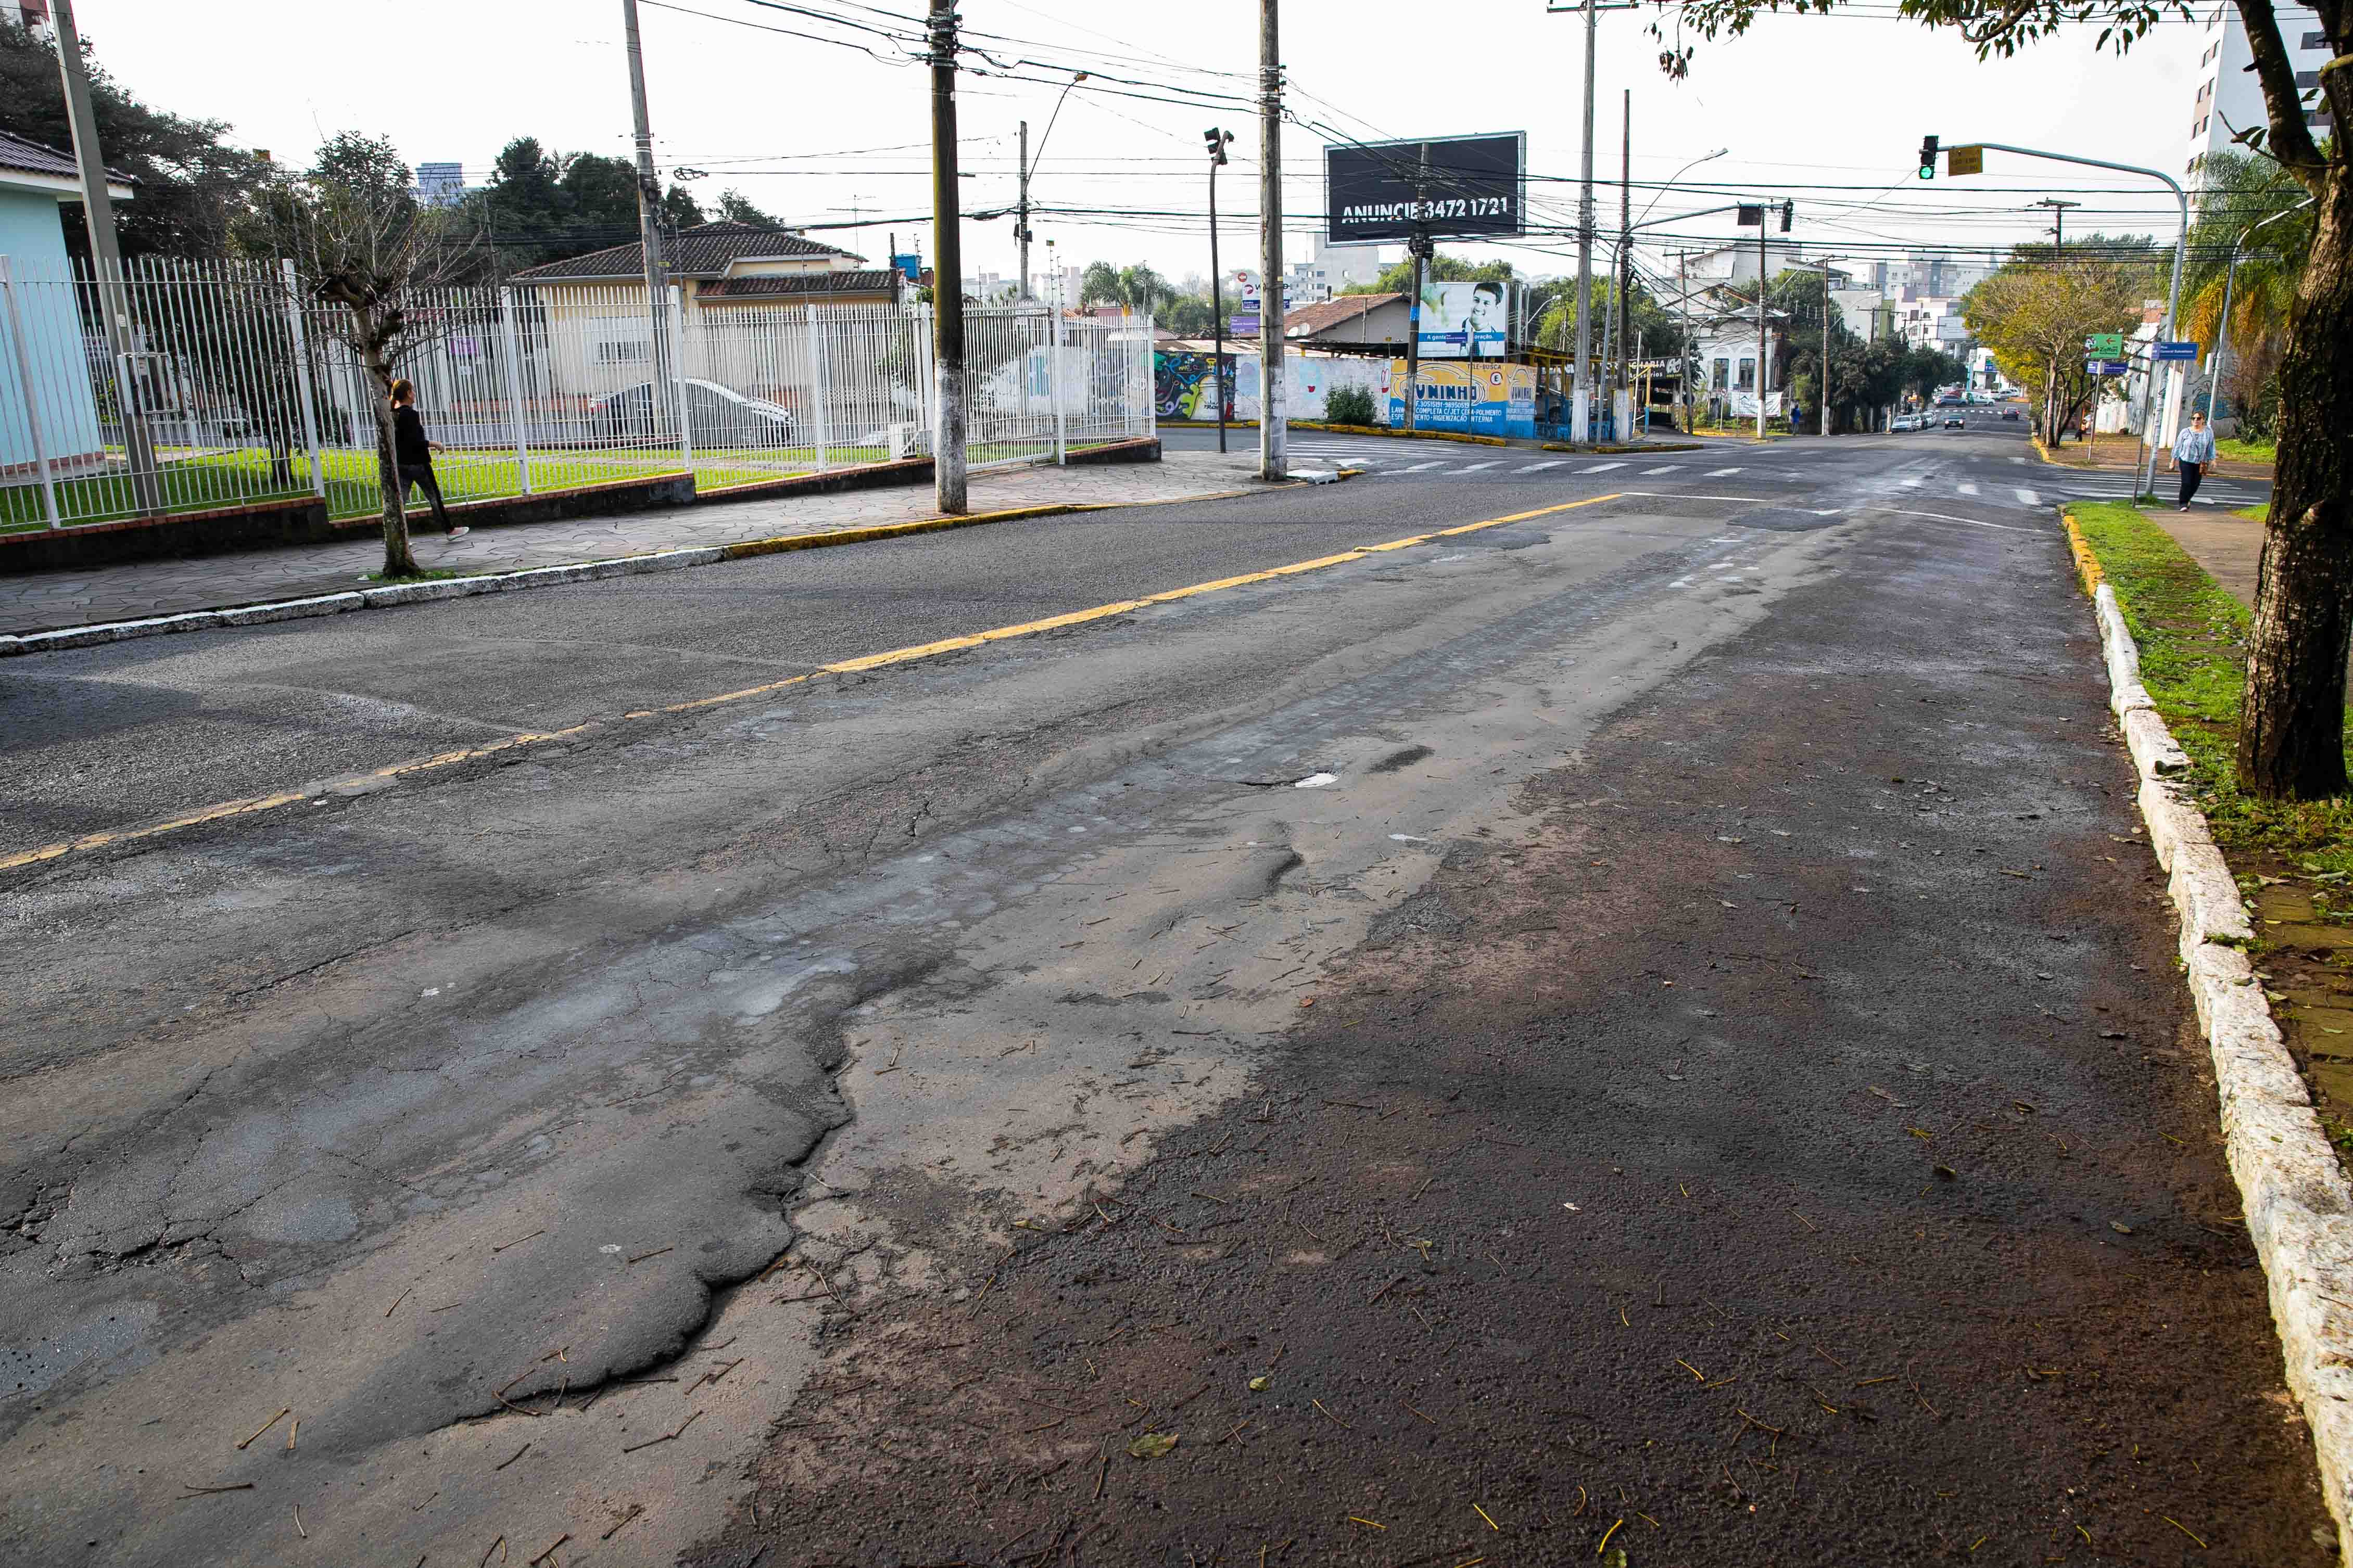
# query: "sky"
1825,112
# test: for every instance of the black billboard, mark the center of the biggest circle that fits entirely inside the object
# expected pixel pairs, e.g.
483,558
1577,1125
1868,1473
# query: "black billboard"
1456,187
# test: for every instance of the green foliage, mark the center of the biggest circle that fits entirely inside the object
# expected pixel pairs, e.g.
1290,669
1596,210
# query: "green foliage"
1658,330
1350,405
192,186
1397,278
1099,284
735,206
2193,656
540,206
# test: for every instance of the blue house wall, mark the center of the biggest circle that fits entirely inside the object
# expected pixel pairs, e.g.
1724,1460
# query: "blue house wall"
33,241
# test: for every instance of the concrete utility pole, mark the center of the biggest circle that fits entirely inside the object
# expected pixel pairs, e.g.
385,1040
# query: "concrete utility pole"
106,261
1764,359
1218,138
1273,453
650,232
1419,248
1021,230
947,275
1579,427
1625,256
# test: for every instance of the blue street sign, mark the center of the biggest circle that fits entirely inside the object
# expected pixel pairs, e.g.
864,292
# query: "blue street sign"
2166,350
2107,368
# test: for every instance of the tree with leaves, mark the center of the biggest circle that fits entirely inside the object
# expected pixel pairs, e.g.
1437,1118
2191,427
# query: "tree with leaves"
735,206
540,206
2035,311
192,186
2241,193
2292,720
360,240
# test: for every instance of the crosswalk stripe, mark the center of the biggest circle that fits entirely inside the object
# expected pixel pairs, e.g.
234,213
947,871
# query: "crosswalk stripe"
1554,463
1913,483
1968,489
1600,468
1719,473
1473,467
2029,498
1418,468
1663,468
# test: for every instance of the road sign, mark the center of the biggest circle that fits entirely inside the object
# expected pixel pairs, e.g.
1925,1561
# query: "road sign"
2107,345
2107,368
2169,350
1965,159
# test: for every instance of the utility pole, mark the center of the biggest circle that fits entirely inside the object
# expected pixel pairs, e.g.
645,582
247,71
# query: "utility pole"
1021,231
947,274
1682,314
1218,138
1625,256
106,261
2058,221
1419,248
1273,456
649,231
1579,429
1764,359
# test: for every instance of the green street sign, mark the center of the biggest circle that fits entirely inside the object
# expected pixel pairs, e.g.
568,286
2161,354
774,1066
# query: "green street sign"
2104,345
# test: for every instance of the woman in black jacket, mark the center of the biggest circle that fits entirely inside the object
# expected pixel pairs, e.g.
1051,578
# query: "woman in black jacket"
413,453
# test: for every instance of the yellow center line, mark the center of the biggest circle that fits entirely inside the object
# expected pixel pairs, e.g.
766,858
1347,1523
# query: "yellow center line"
246,807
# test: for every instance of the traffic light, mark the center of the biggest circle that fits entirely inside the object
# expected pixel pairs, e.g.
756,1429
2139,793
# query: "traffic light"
1927,157
1217,139
1789,211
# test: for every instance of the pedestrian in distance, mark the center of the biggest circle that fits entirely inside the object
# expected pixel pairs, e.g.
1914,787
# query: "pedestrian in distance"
2193,451
412,455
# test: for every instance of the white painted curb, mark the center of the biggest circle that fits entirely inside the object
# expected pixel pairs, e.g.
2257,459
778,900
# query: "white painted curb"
2298,1203
360,599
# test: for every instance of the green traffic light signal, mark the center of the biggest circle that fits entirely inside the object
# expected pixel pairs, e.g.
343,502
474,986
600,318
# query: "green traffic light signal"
1927,157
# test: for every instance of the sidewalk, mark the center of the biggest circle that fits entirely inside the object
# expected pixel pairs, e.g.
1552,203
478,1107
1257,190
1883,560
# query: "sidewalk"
2228,547
2121,453
138,589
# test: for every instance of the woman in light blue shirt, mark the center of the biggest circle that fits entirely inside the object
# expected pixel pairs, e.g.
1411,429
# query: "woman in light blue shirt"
2193,450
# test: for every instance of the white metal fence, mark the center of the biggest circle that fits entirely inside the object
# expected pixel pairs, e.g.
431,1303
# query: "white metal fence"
243,390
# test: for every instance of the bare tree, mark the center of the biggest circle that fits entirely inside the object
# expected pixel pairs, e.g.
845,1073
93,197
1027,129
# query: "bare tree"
361,240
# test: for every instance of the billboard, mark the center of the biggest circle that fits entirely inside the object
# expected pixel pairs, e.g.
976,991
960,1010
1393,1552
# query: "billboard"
1457,186
1480,399
1463,321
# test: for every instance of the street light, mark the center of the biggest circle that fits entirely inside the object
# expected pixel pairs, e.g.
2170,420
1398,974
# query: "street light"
1679,173
1027,164
1217,141
2230,281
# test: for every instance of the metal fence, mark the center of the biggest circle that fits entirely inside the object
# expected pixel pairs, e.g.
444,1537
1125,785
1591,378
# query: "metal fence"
243,390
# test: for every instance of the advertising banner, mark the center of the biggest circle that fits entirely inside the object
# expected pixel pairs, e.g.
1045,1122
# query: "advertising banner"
1478,399
1458,185
1464,320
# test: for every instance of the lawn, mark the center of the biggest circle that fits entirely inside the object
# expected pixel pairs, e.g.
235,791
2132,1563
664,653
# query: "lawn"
2248,451
2294,860
200,482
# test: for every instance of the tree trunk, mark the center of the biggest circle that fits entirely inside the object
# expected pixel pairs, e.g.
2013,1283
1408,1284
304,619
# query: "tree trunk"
398,561
2292,723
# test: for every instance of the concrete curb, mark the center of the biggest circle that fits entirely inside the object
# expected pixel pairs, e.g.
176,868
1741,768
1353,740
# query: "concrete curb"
2298,1203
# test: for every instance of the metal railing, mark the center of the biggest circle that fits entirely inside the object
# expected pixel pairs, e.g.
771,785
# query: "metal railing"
247,392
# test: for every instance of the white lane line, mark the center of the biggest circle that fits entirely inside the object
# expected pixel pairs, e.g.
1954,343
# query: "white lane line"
1600,468
2029,497
1554,463
1663,468
1418,468
1945,517
1719,473
1913,483
2020,461
1965,488
1473,467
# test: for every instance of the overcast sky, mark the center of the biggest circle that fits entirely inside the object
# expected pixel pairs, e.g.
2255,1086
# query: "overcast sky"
1827,111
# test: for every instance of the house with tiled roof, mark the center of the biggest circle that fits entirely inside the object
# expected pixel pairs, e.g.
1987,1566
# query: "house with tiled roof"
35,179
737,282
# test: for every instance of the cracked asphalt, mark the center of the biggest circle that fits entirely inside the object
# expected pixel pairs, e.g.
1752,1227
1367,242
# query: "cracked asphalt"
1697,1064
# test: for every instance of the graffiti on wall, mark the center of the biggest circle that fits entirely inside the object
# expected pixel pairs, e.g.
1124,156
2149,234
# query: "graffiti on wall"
1180,380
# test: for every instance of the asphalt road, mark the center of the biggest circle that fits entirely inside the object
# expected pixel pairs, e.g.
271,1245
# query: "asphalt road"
1654,1014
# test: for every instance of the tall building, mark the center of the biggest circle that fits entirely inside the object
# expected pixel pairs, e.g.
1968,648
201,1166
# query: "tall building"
2229,99
441,185
25,13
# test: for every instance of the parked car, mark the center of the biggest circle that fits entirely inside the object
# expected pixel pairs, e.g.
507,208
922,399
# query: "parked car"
716,416
1902,422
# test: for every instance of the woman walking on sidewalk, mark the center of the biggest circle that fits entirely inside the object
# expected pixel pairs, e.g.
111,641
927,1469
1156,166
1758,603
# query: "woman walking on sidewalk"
2193,451
412,454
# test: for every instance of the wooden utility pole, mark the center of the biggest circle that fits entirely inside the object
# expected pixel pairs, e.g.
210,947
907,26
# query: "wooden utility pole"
650,232
1273,455
106,262
947,275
